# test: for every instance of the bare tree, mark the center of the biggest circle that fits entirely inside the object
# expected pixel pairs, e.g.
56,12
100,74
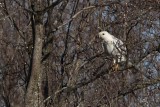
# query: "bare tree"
51,55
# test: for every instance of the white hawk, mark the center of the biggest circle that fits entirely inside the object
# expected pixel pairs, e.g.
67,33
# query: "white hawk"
114,47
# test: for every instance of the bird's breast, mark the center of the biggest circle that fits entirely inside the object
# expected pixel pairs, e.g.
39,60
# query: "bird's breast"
110,47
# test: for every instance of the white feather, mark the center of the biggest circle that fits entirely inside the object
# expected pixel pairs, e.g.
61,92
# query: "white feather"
114,46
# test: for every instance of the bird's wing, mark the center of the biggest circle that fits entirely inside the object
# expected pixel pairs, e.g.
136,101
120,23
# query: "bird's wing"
119,48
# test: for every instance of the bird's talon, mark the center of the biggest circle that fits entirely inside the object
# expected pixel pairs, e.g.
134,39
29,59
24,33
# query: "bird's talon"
115,67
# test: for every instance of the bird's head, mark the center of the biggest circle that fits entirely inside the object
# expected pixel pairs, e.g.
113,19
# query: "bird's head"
105,35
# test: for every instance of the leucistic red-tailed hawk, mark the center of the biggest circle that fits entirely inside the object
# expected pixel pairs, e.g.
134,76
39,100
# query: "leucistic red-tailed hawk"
114,47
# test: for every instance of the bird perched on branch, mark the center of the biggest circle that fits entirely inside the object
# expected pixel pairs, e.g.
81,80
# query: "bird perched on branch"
114,47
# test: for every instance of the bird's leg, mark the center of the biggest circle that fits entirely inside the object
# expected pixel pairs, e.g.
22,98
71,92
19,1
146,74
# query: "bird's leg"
115,66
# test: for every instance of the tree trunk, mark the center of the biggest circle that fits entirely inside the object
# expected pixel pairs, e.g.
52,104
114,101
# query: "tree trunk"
34,96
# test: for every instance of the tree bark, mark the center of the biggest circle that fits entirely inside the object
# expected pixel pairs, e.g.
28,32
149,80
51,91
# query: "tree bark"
34,93
34,96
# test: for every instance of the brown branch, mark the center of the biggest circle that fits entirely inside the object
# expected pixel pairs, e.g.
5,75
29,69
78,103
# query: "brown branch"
103,72
51,6
7,16
82,10
13,21
134,87
28,10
